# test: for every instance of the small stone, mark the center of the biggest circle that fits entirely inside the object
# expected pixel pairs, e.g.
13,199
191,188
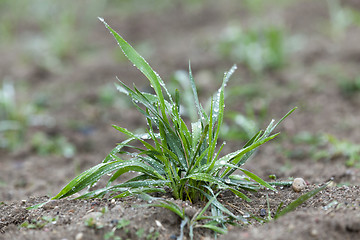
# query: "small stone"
50,205
313,232
118,209
262,212
190,211
158,223
291,227
114,222
331,184
79,236
93,215
298,184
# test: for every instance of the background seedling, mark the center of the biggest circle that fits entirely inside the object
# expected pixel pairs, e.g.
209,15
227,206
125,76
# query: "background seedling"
14,117
52,145
259,49
38,224
341,18
327,146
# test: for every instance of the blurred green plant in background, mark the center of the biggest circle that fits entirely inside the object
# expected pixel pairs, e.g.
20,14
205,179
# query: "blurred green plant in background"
52,145
349,87
51,28
341,18
259,49
14,118
327,146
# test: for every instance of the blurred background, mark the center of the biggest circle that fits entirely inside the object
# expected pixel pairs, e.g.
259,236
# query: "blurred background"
58,64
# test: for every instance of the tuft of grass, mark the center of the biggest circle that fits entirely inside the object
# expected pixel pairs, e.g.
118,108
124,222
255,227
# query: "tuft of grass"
183,159
297,202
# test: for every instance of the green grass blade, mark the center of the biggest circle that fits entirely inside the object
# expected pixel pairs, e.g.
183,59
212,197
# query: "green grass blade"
136,166
142,65
117,149
236,156
240,194
138,191
142,183
205,178
132,135
153,162
198,160
218,205
196,131
200,109
136,59
139,97
258,179
213,227
98,193
170,206
219,97
208,204
299,201
87,178
283,118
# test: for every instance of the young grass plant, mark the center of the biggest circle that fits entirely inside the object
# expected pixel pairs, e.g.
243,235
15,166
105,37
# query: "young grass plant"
14,118
184,159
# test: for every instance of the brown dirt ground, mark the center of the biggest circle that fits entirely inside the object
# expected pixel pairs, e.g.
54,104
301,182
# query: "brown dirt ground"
308,81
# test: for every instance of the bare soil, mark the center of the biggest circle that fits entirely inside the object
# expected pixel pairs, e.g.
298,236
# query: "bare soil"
175,35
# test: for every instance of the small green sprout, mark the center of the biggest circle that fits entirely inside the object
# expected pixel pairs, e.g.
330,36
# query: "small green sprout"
14,118
38,224
259,49
93,223
327,146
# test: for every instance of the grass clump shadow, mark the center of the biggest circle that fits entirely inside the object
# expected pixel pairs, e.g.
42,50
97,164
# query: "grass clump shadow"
183,159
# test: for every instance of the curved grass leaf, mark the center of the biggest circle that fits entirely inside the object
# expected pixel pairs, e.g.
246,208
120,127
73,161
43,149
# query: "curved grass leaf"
200,109
136,166
169,205
300,200
206,178
236,156
88,177
240,194
213,227
257,179
136,59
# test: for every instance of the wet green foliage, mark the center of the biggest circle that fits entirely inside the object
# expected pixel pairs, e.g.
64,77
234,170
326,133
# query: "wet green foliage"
183,159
